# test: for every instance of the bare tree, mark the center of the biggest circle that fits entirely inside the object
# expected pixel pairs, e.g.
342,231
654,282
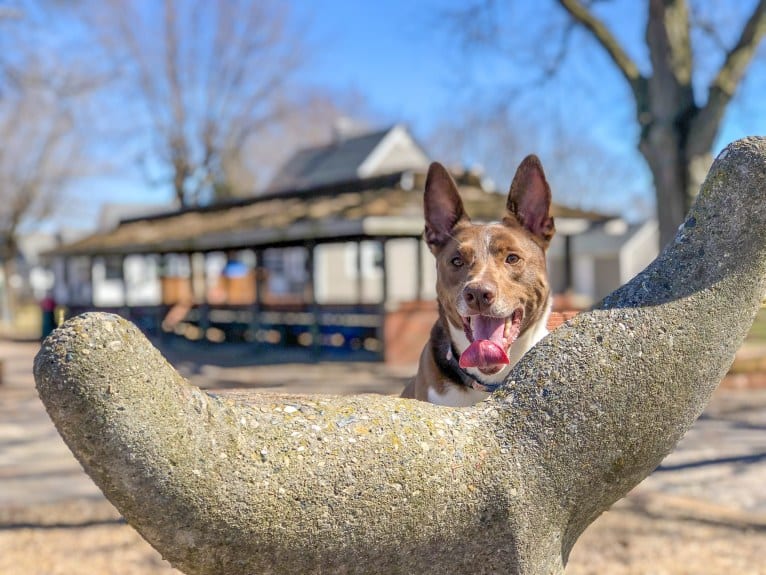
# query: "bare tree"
678,128
42,158
42,95
677,108
209,76
582,174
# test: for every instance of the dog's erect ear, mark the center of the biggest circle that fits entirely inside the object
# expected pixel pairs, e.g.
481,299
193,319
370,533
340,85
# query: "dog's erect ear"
529,199
442,205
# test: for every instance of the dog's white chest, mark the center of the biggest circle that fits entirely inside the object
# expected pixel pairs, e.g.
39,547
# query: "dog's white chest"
455,396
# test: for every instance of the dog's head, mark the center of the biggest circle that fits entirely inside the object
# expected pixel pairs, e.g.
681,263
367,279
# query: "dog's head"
491,278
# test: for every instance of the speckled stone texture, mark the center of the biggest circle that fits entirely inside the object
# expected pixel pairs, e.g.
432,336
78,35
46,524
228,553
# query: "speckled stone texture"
371,484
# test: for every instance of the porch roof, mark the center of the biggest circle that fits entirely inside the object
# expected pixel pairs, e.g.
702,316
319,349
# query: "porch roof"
387,206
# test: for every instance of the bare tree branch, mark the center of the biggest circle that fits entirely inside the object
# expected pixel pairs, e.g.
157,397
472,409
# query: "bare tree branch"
676,129
46,152
209,76
667,37
705,125
550,68
707,27
608,42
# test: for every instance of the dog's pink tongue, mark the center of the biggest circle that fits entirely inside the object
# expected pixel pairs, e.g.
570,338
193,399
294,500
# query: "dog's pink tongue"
487,348
483,353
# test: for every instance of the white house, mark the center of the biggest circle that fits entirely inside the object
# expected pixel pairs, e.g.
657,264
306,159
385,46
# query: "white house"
588,262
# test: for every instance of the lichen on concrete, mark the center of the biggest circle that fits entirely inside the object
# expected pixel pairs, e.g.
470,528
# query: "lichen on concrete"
373,484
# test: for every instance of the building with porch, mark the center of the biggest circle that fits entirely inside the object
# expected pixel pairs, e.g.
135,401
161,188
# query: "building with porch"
327,264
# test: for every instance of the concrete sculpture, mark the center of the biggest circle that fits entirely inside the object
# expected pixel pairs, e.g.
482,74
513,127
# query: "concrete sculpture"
373,484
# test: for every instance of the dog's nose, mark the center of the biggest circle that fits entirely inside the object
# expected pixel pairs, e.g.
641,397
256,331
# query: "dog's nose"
479,296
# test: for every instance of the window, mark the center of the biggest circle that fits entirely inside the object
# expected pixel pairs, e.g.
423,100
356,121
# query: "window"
372,256
113,268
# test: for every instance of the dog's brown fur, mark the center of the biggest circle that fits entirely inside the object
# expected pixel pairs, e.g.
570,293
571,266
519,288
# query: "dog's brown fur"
483,269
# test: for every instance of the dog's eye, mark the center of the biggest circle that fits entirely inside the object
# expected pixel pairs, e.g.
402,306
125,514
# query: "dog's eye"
511,259
457,261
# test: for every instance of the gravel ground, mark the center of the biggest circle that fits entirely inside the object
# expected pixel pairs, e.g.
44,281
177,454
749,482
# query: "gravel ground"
702,512
87,537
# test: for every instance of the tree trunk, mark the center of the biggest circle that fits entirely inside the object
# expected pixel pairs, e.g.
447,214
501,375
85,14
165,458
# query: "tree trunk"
677,132
668,169
678,173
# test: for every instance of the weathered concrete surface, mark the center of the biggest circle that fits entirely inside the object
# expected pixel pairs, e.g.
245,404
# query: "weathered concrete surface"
382,485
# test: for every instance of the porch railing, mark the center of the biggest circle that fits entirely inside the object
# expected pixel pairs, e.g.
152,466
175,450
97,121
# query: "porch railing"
300,331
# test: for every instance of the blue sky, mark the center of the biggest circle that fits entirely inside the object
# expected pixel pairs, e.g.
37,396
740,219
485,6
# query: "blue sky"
400,56
380,50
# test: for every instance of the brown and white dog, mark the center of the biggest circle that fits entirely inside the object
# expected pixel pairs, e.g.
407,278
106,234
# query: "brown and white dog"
492,287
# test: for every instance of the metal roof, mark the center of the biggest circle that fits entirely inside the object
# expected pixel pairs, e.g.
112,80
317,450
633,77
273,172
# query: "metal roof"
378,207
323,213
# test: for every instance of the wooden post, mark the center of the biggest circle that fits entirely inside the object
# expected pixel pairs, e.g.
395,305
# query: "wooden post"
568,264
316,349
200,284
383,267
359,274
124,288
384,298
88,300
257,305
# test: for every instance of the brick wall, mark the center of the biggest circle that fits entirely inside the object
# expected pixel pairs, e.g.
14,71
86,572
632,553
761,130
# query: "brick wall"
407,330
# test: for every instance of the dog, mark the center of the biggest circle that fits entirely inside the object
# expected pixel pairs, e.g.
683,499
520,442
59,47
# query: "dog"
492,287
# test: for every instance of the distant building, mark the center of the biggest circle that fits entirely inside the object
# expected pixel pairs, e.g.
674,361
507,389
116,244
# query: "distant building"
351,157
329,262
591,264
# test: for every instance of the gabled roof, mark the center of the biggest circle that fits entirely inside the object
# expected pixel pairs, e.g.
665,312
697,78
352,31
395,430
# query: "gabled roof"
349,158
112,213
